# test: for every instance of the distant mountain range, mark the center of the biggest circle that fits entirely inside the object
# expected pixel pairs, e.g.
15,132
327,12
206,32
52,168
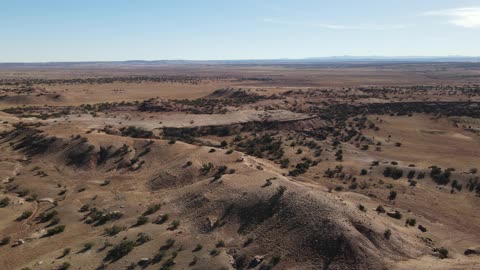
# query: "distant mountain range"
312,60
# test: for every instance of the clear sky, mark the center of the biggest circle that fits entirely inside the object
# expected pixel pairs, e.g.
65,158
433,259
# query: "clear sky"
105,30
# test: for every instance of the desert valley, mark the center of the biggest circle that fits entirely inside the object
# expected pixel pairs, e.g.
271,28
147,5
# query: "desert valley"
242,165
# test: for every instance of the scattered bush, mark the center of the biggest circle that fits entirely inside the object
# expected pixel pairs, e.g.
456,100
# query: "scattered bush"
66,252
197,248
392,196
220,244
84,208
56,230
136,132
4,202
456,185
387,233
44,217
440,177
120,250
174,225
142,239
87,246
284,163
442,252
168,244
214,252
161,219
152,209
64,266
24,215
396,215
5,241
114,230
410,222
248,242
141,220
393,172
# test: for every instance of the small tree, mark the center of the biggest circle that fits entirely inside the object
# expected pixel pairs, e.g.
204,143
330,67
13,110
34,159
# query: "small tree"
197,248
152,209
120,250
56,230
174,225
387,234
5,241
392,196
24,215
4,202
64,266
141,220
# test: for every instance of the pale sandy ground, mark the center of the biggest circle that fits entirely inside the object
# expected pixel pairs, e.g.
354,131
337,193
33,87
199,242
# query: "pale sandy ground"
180,119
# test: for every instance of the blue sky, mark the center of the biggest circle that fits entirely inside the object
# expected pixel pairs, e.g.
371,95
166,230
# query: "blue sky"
96,30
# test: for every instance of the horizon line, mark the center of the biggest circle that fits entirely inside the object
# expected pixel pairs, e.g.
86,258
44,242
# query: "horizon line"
337,57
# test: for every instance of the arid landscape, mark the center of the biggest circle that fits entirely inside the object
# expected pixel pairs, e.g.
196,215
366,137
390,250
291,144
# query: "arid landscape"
242,165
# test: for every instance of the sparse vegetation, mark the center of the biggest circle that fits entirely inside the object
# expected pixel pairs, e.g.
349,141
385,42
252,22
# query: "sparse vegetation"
152,209
141,220
24,215
174,225
5,240
4,202
387,233
55,230
120,250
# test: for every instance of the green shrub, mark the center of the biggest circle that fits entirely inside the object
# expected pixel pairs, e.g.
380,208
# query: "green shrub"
152,209
84,208
440,177
66,252
87,246
442,252
142,239
220,244
392,195
410,221
387,233
120,250
161,219
168,244
214,252
64,266
5,241
393,172
174,225
24,215
4,202
114,230
44,217
396,215
56,230
197,248
141,220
